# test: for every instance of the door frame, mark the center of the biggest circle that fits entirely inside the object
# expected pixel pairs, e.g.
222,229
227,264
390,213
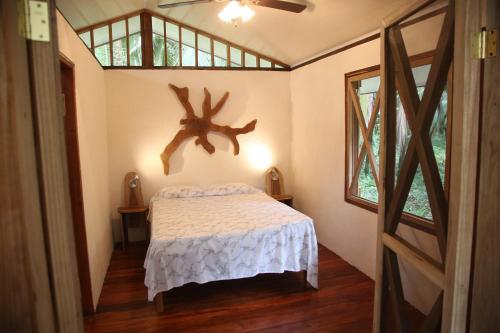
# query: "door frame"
485,272
464,166
75,181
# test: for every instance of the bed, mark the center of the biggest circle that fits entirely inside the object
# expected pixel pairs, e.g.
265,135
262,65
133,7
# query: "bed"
232,231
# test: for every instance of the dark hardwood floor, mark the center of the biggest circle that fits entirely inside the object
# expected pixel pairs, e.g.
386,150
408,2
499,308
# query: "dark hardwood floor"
266,303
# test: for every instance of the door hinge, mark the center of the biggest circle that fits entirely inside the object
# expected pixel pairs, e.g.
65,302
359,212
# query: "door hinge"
484,44
34,20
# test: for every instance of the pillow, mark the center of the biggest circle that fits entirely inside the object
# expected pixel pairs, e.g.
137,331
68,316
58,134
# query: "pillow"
230,189
172,192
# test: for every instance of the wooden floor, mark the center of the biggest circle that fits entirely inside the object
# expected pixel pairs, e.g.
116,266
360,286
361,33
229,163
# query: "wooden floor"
266,303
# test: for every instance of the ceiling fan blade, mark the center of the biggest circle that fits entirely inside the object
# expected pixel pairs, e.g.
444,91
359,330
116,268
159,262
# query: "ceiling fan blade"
182,3
282,5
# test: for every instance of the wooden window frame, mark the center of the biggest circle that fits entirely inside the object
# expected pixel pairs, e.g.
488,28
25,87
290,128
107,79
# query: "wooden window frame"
418,222
109,24
147,45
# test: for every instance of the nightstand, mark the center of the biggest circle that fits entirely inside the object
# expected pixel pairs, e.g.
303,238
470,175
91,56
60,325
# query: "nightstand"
284,198
128,213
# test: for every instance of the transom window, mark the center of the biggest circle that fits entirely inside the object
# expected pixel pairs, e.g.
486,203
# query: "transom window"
363,139
116,43
146,39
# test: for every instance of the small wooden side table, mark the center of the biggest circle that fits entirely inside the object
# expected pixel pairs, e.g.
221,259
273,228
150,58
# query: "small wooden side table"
126,213
284,198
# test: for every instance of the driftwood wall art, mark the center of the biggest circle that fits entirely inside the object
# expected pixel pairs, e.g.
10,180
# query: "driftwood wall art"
195,126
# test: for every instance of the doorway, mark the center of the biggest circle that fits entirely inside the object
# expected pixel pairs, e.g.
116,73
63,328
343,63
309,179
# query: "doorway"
75,181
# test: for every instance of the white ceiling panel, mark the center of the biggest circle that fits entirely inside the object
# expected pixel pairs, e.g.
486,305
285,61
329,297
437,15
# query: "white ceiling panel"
285,36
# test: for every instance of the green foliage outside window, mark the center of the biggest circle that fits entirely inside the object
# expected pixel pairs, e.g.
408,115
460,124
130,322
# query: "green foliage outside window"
172,53
135,49
417,202
120,52
367,189
102,54
158,50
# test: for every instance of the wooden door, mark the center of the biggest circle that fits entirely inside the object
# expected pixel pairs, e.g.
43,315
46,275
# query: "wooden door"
468,225
397,79
39,282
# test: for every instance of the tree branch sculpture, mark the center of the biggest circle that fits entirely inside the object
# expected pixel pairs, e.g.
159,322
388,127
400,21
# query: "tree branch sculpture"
195,126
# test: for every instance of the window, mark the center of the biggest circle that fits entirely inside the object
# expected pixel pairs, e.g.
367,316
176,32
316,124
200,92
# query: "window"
363,139
158,29
173,47
86,39
204,51
117,43
119,33
250,60
121,42
188,47
134,41
220,54
235,55
102,49
264,63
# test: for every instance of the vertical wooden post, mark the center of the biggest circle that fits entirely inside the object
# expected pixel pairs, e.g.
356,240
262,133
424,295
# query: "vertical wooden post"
464,157
165,42
180,46
127,41
387,169
212,52
484,314
110,33
147,39
196,48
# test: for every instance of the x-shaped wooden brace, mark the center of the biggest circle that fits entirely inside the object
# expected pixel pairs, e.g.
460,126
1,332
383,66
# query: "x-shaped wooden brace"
367,134
419,115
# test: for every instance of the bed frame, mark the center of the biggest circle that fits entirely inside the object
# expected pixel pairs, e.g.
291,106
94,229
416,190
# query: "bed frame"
159,299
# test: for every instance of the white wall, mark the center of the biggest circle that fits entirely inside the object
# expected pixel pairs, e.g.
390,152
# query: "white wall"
92,136
318,158
301,124
144,115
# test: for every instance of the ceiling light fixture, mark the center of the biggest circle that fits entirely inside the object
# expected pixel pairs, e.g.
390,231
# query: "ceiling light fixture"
235,12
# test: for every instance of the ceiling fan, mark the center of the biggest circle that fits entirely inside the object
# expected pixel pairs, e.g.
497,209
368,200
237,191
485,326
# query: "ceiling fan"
238,9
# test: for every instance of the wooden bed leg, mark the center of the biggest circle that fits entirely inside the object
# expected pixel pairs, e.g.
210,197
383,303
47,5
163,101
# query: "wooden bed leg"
306,284
159,303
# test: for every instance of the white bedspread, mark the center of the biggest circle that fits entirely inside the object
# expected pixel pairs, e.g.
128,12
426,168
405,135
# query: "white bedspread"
220,237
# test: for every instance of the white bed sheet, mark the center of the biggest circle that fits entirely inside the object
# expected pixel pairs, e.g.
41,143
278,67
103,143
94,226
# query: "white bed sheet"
210,238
